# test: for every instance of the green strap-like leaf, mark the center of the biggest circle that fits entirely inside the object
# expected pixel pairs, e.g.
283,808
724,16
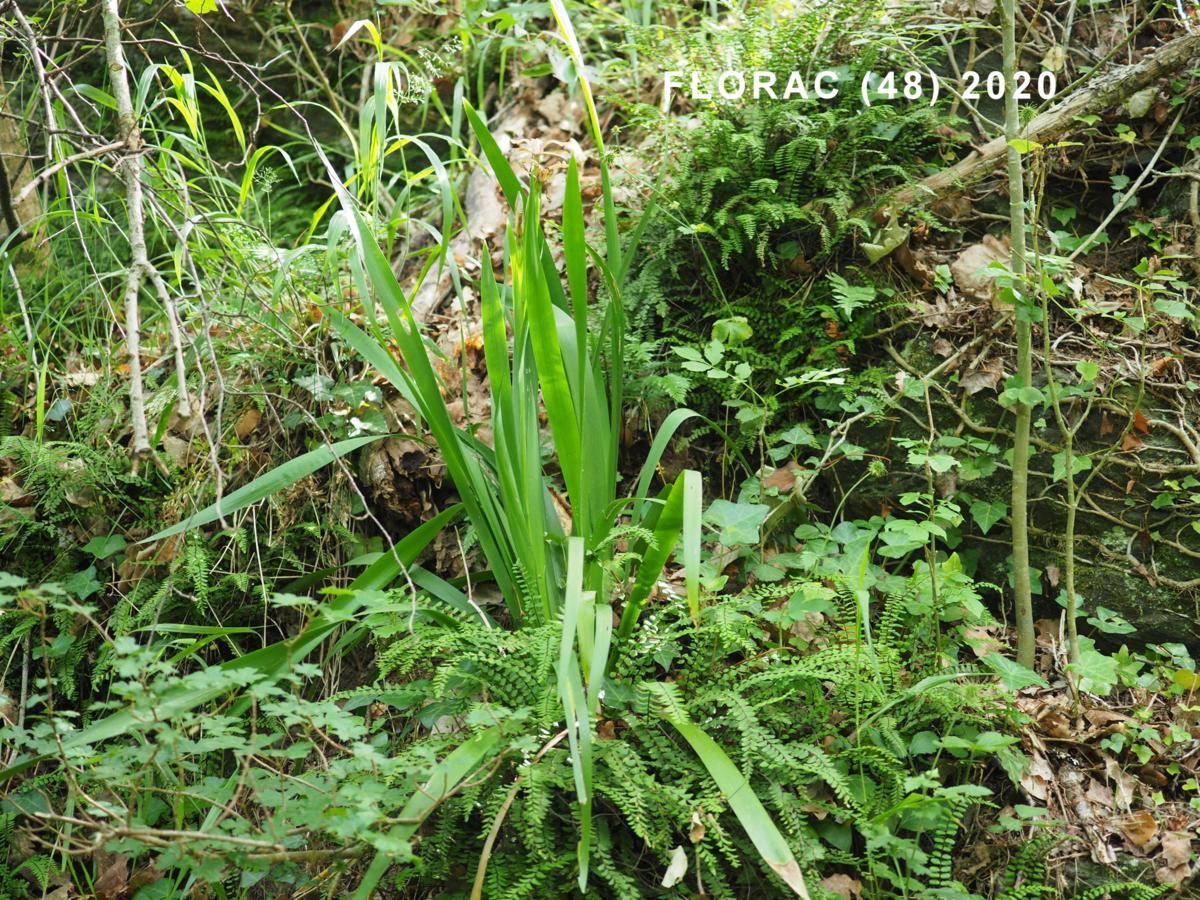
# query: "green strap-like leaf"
444,781
753,816
265,485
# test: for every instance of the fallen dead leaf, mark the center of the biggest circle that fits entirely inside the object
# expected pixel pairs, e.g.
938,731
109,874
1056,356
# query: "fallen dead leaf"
784,478
676,869
981,641
969,268
843,885
1099,794
1140,423
1036,782
1139,828
1123,791
1176,856
917,264
1159,367
1132,443
246,423
112,880
986,377
1053,574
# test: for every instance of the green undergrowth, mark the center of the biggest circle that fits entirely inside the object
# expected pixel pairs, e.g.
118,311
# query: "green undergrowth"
761,198
850,715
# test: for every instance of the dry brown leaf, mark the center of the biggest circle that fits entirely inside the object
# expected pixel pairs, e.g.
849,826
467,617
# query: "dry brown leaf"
13,494
1102,717
697,830
986,377
1132,443
1125,785
1139,828
784,478
1176,848
1053,574
1176,856
111,881
1159,367
1106,426
1055,724
970,268
917,264
1048,630
1038,779
843,885
1140,423
981,641
1099,794
246,423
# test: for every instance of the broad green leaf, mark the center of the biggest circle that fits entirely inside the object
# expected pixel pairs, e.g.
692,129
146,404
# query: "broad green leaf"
1023,146
1079,463
988,514
1013,675
730,331
1097,673
104,547
738,523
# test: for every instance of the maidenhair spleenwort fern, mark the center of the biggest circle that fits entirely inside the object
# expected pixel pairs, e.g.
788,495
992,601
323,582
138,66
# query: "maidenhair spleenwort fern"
1026,877
17,876
824,738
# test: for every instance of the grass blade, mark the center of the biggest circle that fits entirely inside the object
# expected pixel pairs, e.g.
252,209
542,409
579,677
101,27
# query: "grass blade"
264,486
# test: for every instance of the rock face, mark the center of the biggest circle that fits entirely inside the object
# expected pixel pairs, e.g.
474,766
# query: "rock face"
1135,553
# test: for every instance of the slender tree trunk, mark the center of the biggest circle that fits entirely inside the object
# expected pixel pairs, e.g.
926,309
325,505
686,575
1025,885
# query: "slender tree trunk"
1020,463
131,166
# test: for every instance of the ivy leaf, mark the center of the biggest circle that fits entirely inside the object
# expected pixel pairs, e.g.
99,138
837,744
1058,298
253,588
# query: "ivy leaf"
988,514
201,7
1012,674
1110,622
738,523
1176,309
1087,369
1097,673
320,386
1014,393
82,584
104,547
732,331
1079,463
1024,147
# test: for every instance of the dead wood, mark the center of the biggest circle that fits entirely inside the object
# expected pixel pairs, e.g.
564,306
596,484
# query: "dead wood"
1105,91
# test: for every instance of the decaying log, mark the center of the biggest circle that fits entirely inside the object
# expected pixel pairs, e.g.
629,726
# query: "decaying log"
1105,91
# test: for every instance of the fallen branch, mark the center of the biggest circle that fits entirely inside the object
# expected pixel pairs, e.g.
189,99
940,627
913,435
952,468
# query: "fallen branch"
1105,91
